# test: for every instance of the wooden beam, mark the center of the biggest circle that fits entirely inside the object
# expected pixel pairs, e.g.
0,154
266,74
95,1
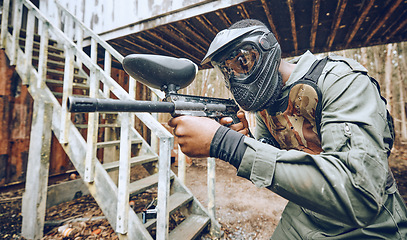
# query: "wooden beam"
122,219
223,17
243,11
204,21
395,24
177,34
191,56
270,19
316,4
400,27
35,195
166,145
194,32
290,4
380,24
340,9
361,18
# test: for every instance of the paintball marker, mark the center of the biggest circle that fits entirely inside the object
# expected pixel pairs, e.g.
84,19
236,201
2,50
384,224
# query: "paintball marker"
169,75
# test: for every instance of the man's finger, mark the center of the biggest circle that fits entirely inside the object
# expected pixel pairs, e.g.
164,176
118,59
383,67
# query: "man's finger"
225,121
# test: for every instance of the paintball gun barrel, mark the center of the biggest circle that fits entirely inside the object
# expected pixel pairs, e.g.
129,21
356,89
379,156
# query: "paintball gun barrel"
168,74
179,105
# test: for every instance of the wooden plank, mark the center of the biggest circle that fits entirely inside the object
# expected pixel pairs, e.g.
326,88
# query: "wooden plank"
67,92
215,228
340,9
164,166
116,143
60,73
28,46
17,14
82,86
143,184
35,196
112,166
382,21
270,19
93,118
290,4
316,4
124,175
356,27
66,191
176,201
190,228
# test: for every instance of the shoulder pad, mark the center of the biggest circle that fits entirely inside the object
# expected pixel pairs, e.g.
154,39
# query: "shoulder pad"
357,67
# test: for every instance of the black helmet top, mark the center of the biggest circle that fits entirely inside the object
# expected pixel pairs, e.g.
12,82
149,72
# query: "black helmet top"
248,57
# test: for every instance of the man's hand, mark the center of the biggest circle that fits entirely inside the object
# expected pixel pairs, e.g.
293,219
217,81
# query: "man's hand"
241,127
194,134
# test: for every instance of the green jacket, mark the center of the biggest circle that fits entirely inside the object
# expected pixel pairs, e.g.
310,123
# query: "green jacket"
340,193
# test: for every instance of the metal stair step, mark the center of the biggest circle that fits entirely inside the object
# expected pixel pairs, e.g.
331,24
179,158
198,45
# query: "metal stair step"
176,201
190,228
133,161
116,143
142,185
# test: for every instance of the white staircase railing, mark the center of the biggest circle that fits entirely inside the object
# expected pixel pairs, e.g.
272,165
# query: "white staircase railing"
90,169
112,199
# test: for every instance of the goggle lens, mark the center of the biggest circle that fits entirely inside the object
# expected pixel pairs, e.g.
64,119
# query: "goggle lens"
240,63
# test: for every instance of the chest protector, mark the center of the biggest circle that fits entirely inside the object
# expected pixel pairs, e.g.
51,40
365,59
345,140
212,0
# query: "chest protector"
295,124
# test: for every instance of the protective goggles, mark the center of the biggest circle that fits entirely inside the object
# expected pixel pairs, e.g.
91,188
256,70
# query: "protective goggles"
239,63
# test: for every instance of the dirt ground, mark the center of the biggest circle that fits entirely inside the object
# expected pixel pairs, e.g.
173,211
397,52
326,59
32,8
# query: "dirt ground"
244,211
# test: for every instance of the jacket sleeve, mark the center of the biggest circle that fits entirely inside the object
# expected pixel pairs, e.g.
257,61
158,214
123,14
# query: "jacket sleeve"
347,180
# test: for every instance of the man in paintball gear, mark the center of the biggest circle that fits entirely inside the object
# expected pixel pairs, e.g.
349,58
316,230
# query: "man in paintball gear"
323,146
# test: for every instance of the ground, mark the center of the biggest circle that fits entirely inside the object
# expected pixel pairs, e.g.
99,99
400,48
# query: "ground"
244,211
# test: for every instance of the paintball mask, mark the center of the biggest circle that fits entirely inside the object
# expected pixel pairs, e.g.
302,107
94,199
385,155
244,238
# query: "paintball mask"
248,58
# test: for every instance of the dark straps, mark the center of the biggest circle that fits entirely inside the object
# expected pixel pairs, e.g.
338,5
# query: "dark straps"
315,71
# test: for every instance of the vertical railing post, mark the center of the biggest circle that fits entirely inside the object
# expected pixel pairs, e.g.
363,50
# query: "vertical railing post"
35,195
93,119
43,57
154,138
166,144
124,175
28,49
68,27
79,43
110,153
4,23
108,70
67,91
215,228
181,165
18,11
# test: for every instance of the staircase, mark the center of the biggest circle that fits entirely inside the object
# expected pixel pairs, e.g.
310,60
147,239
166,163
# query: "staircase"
52,62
